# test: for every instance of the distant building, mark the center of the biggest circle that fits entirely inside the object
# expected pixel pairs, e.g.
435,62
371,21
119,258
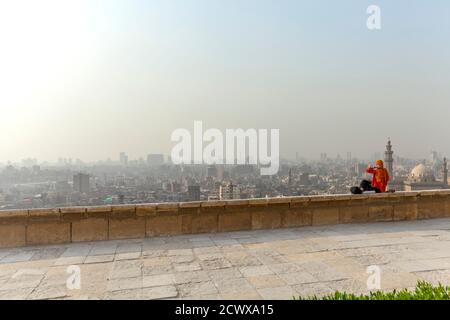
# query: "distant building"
422,178
81,183
29,162
360,169
349,158
229,192
313,179
445,172
194,193
123,158
222,173
155,159
62,186
304,179
212,171
434,156
175,187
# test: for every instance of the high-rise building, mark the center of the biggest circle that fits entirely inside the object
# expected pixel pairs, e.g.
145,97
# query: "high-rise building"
212,171
304,179
194,193
81,183
175,187
123,158
434,156
229,192
445,172
221,173
155,159
360,169
348,164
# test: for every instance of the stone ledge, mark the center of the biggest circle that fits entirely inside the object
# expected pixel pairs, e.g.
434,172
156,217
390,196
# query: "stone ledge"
146,210
44,215
14,216
190,205
75,224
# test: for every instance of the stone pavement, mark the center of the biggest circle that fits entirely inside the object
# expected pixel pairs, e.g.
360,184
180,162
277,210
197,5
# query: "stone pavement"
270,264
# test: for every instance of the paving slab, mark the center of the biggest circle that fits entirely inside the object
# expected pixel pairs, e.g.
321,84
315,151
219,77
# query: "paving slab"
262,264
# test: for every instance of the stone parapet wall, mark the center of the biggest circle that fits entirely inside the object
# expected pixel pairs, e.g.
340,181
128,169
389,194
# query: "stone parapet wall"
77,224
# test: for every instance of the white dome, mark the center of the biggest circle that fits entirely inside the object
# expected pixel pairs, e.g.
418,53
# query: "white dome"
421,173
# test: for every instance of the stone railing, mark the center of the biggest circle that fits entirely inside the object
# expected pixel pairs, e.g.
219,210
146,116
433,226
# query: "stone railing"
77,224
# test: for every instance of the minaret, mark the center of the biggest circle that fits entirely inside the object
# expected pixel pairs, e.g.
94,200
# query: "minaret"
388,159
445,171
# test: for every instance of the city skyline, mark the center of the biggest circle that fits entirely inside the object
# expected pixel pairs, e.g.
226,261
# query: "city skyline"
166,157
153,181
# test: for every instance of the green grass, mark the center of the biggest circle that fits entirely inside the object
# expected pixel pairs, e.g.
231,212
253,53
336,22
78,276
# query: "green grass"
423,291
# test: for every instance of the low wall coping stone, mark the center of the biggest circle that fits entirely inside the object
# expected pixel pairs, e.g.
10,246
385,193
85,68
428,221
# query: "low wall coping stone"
167,206
237,203
153,219
215,203
96,209
193,204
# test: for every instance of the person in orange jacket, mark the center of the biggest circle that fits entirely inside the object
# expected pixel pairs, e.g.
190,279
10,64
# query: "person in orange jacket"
381,177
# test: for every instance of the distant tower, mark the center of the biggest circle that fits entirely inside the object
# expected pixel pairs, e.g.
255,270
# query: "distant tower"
123,158
445,171
290,177
81,183
388,159
349,163
194,193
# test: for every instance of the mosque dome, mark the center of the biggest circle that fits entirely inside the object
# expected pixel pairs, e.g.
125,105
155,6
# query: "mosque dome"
421,173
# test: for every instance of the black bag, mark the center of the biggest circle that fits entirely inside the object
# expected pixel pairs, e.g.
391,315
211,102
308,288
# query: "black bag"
356,190
366,185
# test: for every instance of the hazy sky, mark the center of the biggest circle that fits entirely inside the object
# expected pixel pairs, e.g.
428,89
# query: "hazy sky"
88,79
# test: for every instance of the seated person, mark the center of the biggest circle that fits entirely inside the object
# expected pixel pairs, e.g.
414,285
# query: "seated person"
380,174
